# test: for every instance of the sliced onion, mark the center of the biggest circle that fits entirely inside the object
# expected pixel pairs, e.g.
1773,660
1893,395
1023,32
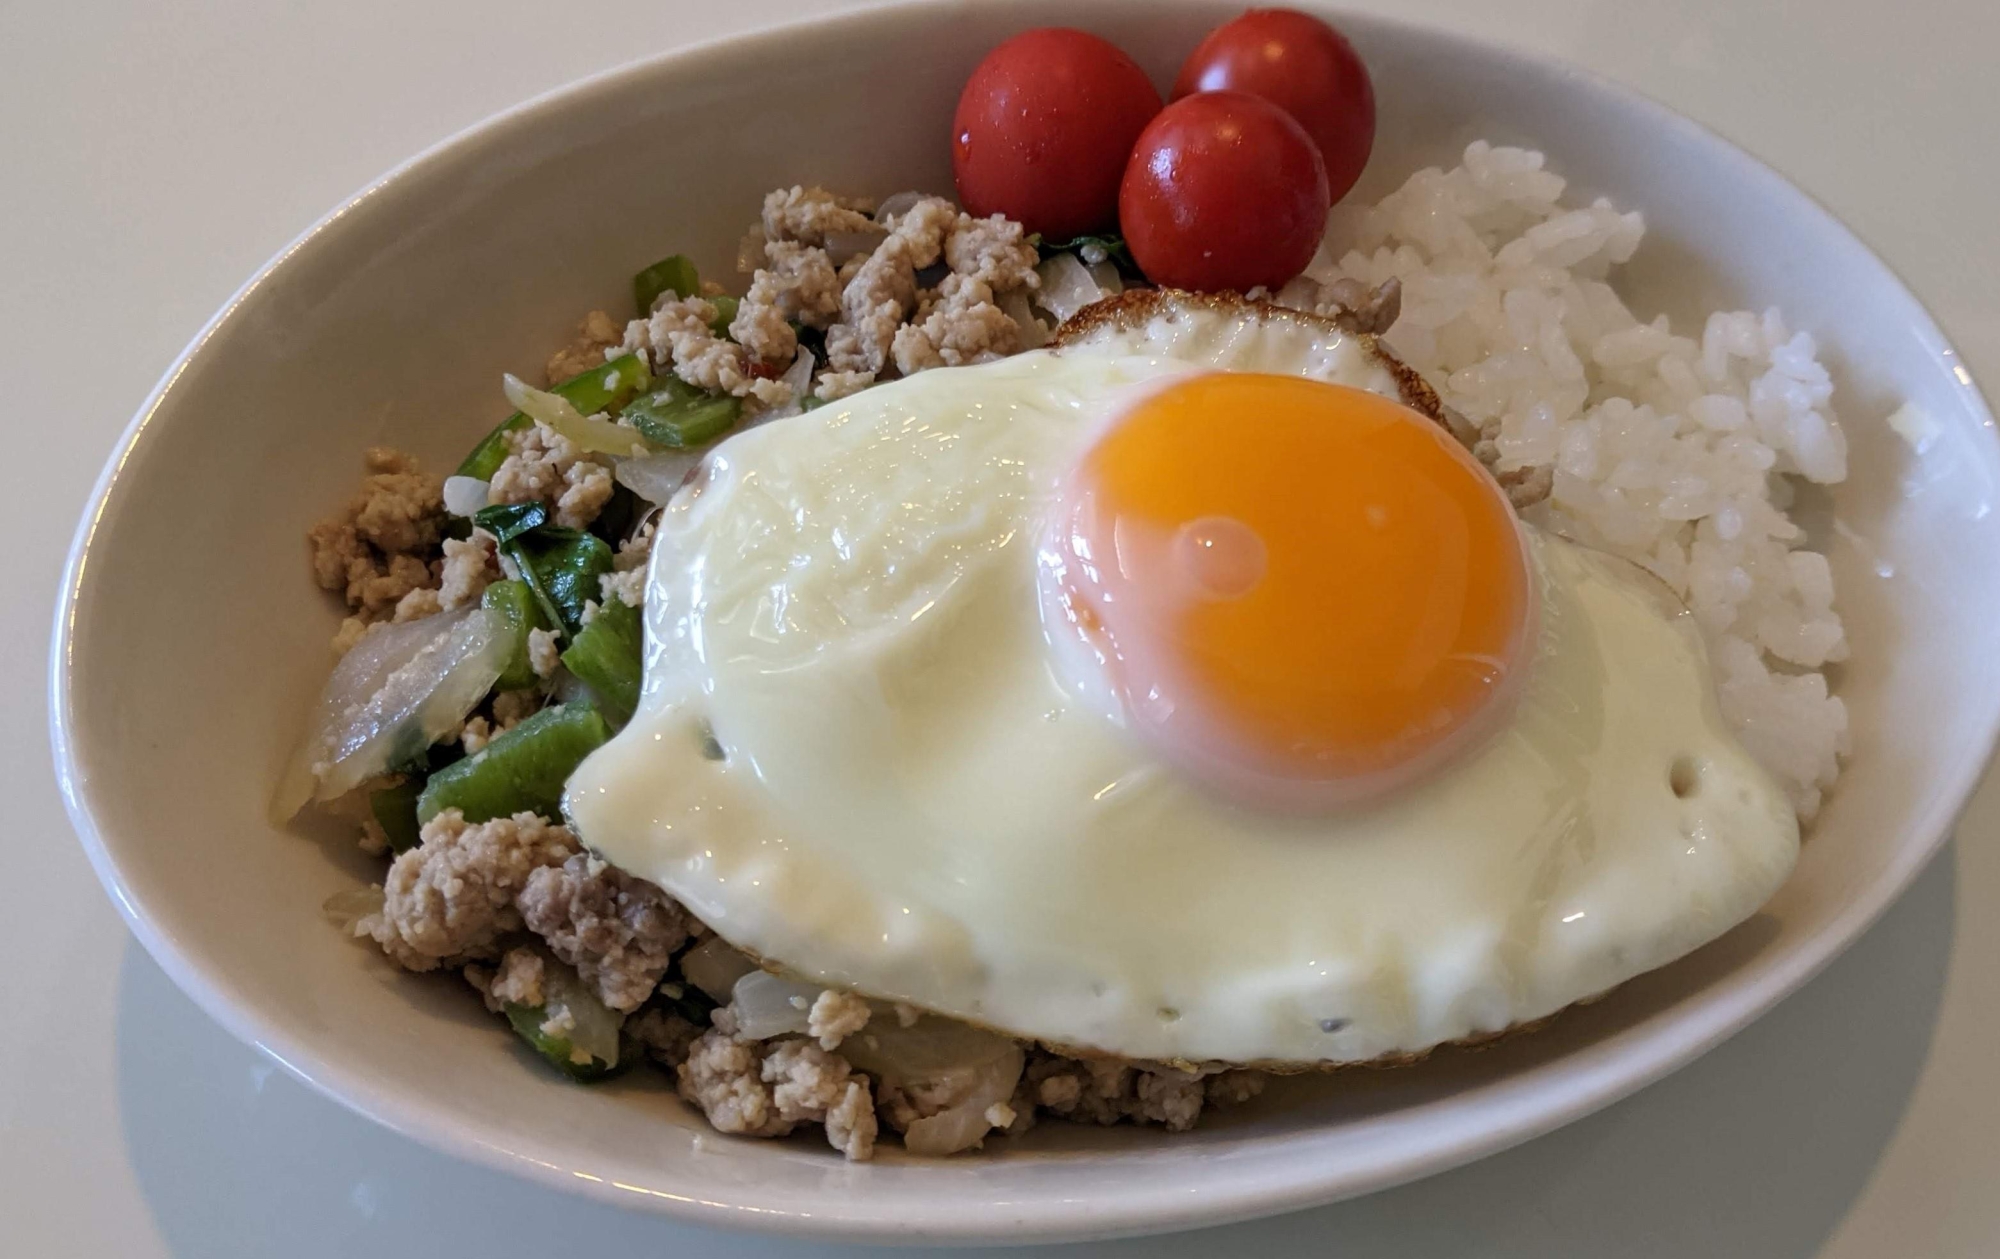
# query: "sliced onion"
594,1029
345,909
1034,333
750,251
1067,286
465,495
841,246
1109,282
975,1069
591,433
656,477
897,203
396,692
768,1005
800,377
714,967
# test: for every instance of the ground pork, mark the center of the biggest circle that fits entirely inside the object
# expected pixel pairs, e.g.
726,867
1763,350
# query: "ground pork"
627,587
664,1034
452,896
618,931
835,1016
810,215
597,333
511,708
1106,1091
883,289
765,1089
376,549
833,386
678,333
544,466
417,604
961,325
544,653
468,567
517,980
992,250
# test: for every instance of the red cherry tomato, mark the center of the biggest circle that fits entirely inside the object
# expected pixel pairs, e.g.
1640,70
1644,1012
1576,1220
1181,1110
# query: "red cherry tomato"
1043,129
1304,67
1224,191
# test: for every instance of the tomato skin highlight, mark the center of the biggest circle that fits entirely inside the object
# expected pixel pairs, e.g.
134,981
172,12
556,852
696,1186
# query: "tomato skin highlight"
1225,191
1303,66
1043,129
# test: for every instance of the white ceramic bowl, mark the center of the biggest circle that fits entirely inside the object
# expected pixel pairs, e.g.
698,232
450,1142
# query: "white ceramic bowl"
190,640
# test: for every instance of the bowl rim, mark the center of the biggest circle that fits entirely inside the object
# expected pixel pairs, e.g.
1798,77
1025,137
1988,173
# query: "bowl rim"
1598,1074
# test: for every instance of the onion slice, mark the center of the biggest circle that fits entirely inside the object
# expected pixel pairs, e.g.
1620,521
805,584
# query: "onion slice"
655,478
592,433
465,495
769,1005
714,967
1067,286
397,691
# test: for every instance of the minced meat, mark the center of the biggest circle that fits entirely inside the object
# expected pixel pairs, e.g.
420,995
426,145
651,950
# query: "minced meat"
452,896
544,466
618,931
377,549
768,1088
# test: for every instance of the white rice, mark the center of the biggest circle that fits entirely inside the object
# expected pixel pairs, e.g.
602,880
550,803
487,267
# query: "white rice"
1679,453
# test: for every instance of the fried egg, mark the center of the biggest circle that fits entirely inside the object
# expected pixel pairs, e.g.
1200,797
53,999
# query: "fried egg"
1178,694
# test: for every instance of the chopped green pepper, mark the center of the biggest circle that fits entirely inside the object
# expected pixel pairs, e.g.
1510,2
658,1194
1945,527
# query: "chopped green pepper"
603,388
395,810
513,600
556,1050
676,273
680,416
521,771
725,313
606,656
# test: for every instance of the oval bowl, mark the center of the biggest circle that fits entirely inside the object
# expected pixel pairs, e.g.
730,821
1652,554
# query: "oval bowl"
189,639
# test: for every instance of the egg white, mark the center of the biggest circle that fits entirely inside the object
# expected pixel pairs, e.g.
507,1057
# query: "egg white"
917,801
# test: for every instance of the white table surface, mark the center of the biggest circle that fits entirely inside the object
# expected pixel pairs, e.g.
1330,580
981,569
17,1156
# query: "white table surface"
153,155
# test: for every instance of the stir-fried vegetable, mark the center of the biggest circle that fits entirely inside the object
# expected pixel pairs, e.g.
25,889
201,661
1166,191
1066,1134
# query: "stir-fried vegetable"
521,771
769,1005
591,433
606,655
678,416
940,1058
561,566
572,1029
395,810
397,691
676,273
714,967
1093,250
600,389
514,601
725,313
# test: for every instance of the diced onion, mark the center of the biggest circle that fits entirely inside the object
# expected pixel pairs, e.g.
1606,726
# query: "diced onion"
1067,286
750,251
841,246
768,1005
592,433
594,1025
895,204
1034,333
345,909
465,495
1109,282
939,1057
714,967
656,477
800,377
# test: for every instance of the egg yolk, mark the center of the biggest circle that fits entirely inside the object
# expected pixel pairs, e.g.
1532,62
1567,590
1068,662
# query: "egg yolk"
1295,587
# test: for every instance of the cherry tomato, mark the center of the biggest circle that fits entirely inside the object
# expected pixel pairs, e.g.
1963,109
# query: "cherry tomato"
1303,66
1043,129
1224,191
